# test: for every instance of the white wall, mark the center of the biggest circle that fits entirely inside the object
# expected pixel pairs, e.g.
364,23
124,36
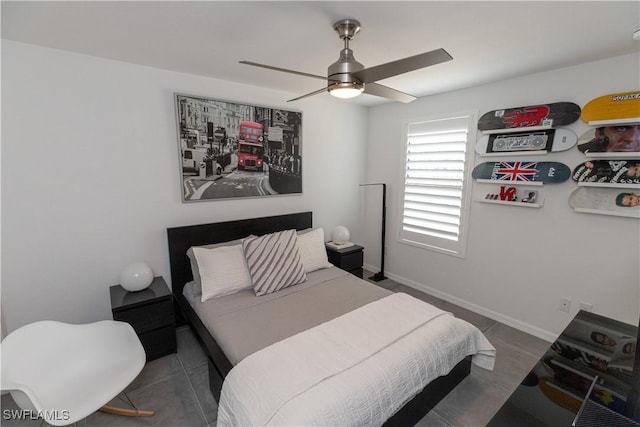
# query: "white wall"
90,175
90,182
519,262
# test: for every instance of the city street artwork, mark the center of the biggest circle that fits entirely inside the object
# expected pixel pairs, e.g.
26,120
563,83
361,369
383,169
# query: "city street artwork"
230,150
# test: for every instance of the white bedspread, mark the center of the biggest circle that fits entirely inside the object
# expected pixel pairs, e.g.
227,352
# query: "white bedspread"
357,369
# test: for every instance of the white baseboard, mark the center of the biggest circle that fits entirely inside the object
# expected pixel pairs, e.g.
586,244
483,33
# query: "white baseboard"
499,317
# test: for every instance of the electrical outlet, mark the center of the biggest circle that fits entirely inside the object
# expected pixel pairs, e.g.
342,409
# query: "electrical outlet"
586,306
565,304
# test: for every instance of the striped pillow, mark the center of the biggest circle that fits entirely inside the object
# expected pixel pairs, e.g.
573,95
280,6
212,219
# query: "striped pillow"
274,261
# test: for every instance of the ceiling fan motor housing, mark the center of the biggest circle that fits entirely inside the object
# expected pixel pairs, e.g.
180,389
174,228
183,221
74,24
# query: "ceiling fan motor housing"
340,71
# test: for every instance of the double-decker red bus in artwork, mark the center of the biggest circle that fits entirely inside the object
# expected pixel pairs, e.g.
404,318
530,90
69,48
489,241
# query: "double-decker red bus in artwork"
250,145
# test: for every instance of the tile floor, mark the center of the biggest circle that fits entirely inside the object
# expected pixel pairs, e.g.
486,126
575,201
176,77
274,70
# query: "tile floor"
176,386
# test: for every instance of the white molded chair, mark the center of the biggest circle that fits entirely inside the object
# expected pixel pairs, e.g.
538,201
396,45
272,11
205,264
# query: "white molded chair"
67,371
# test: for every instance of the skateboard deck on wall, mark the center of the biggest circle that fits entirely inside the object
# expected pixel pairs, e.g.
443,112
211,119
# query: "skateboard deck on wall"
606,201
621,140
555,114
623,107
535,142
542,172
608,173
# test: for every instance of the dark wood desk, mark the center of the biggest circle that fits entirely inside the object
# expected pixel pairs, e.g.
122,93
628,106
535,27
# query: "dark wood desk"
593,357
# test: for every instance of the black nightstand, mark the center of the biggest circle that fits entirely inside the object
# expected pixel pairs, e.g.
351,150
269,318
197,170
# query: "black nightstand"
150,312
349,259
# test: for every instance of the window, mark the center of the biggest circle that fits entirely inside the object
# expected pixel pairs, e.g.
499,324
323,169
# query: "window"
435,202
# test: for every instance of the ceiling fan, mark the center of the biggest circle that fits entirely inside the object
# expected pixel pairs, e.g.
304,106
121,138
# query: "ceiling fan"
347,78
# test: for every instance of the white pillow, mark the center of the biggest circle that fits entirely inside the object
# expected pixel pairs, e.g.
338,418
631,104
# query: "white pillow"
312,250
223,270
195,271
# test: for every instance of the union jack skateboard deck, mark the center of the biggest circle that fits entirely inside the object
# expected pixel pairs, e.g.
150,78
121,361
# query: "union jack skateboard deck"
622,107
624,138
608,173
555,114
544,172
606,201
536,142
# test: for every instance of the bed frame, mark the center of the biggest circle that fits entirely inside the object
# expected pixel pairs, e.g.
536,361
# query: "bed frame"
180,239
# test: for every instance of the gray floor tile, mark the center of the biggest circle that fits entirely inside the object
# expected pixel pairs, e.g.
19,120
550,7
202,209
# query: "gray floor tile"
511,366
473,402
156,370
520,340
432,419
190,350
513,360
172,399
199,378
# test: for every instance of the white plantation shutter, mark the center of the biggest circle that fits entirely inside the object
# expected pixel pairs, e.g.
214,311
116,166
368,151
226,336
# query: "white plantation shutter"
435,202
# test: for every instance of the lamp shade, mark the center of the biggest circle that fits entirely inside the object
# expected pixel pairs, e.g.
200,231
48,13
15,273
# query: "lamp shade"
340,235
136,276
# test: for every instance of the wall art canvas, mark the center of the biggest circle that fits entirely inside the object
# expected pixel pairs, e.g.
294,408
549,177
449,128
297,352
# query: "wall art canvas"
230,150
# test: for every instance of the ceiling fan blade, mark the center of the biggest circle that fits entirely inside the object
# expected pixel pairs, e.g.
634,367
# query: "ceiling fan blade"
401,66
284,70
386,92
315,92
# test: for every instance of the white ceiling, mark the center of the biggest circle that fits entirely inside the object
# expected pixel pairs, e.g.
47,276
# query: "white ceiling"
489,41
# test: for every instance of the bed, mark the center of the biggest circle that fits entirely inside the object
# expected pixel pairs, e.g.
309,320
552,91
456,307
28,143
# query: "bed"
247,329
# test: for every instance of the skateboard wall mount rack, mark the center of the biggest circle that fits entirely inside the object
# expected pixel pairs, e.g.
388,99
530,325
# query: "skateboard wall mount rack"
512,130
493,181
516,203
608,185
613,122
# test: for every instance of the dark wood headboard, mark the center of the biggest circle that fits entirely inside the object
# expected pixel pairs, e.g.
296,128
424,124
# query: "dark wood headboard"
182,238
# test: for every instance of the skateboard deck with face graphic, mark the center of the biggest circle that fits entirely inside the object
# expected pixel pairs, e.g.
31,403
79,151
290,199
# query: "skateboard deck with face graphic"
542,172
532,142
613,140
606,201
622,107
608,173
555,114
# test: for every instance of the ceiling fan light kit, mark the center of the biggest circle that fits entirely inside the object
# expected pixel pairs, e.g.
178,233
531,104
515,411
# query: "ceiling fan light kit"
347,78
346,90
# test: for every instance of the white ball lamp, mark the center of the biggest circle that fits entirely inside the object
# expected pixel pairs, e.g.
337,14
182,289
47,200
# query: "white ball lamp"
136,276
340,235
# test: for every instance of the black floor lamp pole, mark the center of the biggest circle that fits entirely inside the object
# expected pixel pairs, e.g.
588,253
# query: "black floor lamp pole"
380,275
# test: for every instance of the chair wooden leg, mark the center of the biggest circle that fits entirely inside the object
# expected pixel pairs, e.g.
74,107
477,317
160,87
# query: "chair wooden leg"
126,411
